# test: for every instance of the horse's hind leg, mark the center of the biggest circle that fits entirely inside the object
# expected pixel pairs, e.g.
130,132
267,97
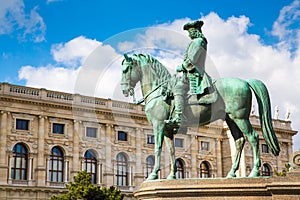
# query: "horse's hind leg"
239,144
171,150
252,136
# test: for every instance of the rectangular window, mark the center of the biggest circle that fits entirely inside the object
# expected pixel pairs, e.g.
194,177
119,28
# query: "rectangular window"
91,132
150,139
58,128
265,148
22,124
122,136
204,146
178,142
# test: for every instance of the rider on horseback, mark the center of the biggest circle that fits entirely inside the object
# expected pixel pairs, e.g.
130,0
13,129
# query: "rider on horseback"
194,75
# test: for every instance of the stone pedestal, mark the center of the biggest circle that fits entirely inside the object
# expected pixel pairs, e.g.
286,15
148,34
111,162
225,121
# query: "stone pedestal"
273,188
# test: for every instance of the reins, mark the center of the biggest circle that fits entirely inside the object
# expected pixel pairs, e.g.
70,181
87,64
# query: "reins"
148,94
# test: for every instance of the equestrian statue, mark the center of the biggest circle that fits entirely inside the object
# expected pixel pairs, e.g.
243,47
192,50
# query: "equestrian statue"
191,98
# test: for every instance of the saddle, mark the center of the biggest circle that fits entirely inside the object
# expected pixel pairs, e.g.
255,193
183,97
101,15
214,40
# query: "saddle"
208,97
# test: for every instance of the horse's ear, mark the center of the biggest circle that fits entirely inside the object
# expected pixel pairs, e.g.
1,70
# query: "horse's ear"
127,58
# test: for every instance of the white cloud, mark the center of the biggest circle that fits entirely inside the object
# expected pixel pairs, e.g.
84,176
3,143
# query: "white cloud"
49,77
283,27
74,52
71,73
14,19
52,1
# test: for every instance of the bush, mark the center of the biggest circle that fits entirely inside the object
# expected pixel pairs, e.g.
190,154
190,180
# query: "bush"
82,188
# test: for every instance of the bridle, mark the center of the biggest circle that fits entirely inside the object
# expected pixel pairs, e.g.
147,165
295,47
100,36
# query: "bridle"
128,82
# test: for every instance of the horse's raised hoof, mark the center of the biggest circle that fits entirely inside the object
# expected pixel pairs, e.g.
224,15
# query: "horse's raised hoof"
231,175
254,173
171,177
152,176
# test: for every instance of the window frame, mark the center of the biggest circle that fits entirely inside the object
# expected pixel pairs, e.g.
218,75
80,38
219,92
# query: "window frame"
180,173
150,161
265,148
150,139
21,121
122,136
91,128
56,124
90,163
122,174
22,170
180,144
54,164
204,145
205,172
265,172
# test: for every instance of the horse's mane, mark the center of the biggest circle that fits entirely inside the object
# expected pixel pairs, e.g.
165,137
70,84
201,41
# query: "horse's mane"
149,61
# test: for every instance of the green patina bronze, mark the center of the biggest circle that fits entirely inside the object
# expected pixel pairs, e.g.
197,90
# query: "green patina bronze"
233,105
174,102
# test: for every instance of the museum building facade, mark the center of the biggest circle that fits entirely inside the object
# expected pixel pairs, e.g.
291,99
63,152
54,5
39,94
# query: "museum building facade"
46,137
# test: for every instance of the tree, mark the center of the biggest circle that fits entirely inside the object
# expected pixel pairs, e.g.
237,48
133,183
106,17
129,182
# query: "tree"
82,188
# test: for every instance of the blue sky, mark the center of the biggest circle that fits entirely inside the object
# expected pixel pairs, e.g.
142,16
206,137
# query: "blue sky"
47,43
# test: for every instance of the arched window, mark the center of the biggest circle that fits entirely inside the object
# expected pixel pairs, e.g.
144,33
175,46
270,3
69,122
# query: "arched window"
205,171
122,170
56,165
90,165
266,170
180,169
19,162
149,165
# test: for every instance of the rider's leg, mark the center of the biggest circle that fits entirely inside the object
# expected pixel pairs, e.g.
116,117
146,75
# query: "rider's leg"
179,92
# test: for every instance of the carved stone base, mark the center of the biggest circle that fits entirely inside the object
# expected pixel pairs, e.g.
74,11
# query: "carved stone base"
273,188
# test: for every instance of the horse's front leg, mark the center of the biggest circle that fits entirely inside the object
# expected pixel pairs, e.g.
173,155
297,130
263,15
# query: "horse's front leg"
158,137
171,150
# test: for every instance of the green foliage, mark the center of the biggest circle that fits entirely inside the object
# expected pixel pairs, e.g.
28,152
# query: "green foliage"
283,173
112,193
83,189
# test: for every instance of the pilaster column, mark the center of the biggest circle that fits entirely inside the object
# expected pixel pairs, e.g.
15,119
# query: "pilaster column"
29,172
99,166
138,176
108,173
10,157
66,165
3,134
3,155
41,140
194,157
76,163
219,158
41,168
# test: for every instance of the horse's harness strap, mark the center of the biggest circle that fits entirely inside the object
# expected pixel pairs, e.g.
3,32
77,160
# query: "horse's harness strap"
147,95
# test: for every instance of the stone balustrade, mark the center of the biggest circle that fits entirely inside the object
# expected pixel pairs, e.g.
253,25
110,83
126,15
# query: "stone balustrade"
7,89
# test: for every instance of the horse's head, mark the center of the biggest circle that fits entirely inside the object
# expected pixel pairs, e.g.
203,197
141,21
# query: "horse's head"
130,75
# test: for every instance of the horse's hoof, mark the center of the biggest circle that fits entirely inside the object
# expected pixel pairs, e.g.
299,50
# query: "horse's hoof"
231,175
171,177
152,176
254,173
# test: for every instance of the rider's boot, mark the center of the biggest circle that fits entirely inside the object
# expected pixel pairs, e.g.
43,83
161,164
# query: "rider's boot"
179,103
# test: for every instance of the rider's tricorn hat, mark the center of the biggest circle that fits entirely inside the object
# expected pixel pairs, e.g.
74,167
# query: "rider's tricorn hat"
195,24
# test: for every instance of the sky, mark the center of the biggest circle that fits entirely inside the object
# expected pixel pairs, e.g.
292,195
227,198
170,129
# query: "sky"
76,46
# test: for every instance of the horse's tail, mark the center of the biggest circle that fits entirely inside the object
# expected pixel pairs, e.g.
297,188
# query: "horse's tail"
264,108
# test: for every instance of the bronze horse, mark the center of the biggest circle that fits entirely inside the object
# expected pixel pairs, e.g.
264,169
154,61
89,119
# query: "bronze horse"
233,105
